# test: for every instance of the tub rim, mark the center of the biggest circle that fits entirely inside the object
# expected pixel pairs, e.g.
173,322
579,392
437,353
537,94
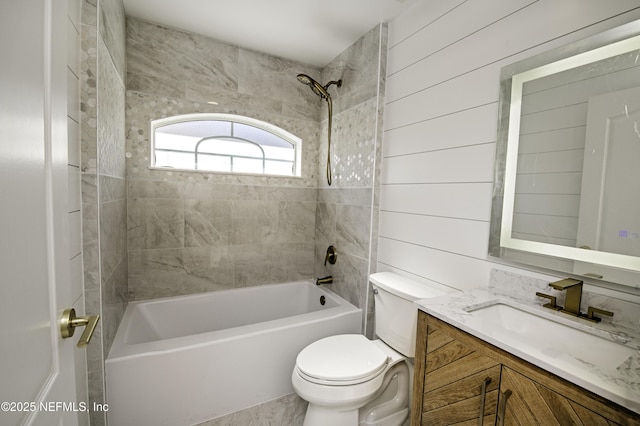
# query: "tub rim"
121,350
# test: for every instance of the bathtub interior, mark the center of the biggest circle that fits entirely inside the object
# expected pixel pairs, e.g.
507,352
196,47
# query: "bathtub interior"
193,378
181,316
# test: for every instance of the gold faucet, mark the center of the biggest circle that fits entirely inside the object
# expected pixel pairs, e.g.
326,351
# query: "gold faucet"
324,280
573,293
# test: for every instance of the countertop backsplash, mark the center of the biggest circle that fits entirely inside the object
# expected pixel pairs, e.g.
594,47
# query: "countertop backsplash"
625,314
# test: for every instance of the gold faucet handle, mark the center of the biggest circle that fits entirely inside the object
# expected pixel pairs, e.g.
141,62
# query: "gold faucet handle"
591,311
552,301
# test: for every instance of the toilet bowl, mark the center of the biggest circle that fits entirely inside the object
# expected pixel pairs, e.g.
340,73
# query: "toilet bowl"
350,380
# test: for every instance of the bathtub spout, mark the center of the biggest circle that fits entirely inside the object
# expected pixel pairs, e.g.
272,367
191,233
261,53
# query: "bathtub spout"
324,280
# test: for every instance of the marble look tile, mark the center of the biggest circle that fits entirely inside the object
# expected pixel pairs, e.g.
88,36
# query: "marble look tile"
114,292
96,418
351,196
373,249
326,220
111,317
89,223
172,272
113,31
271,218
215,191
353,229
353,144
88,14
207,223
254,222
89,187
292,261
358,66
88,96
111,106
113,236
154,189
268,76
183,57
94,351
155,223
138,82
349,277
308,111
369,319
288,410
96,395
190,70
281,193
240,192
253,264
91,263
112,188
296,221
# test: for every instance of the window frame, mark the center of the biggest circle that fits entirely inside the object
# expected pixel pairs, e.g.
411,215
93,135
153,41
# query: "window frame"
295,141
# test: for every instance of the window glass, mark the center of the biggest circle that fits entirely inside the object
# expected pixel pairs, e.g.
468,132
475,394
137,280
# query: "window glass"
224,143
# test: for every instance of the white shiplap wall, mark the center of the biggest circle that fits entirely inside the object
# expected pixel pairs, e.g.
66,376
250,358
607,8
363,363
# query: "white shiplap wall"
440,122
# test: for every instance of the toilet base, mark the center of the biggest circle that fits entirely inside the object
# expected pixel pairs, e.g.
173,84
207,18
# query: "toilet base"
389,406
392,420
323,416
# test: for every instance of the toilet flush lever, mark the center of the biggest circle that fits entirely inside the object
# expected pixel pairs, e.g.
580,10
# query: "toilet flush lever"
70,321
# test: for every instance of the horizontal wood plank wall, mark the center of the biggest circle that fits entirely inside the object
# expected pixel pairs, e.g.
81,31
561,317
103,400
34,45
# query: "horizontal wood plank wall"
440,123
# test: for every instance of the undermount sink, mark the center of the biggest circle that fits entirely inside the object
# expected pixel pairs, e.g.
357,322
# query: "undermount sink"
558,343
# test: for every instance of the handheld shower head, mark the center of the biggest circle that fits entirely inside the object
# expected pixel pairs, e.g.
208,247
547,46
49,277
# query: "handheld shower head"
321,91
315,86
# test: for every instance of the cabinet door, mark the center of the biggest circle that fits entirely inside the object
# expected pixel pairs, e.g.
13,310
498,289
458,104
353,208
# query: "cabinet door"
526,402
460,383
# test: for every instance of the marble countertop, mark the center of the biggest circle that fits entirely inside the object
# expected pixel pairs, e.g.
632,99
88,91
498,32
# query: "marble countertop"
618,382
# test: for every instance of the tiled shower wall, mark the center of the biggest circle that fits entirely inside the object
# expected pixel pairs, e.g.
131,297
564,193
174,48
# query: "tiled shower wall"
192,232
102,66
347,214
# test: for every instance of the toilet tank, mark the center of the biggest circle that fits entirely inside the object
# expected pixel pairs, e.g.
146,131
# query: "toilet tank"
396,313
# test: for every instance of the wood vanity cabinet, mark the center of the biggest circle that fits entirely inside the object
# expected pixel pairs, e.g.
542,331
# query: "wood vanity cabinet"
459,378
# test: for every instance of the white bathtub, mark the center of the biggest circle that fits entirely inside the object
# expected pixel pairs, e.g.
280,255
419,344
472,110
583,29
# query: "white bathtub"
183,360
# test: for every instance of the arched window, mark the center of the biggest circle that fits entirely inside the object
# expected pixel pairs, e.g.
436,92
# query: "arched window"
224,143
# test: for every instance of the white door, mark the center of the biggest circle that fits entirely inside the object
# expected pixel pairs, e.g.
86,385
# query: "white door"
37,384
609,217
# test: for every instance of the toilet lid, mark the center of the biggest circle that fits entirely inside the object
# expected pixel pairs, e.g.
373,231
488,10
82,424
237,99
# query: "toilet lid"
343,358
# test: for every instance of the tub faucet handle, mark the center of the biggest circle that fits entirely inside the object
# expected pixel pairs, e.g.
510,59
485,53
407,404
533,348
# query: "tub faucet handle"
331,256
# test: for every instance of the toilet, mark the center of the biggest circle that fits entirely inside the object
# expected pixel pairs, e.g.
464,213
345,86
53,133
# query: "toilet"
350,380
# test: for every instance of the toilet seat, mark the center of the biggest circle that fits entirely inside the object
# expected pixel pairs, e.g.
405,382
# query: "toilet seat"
341,360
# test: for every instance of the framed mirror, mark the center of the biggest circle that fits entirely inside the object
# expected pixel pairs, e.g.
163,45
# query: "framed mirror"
567,185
